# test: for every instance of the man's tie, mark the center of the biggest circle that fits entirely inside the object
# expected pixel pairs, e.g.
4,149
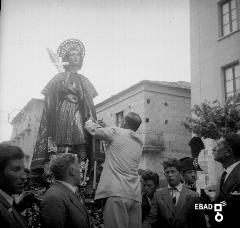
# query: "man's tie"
15,206
222,179
77,194
174,198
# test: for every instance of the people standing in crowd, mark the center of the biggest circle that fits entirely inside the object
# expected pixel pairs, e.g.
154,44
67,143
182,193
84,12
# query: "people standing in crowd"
12,181
119,183
149,187
227,152
174,206
61,207
189,173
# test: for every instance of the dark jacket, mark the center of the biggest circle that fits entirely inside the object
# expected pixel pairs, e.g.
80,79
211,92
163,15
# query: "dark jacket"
9,217
61,208
230,212
146,207
165,215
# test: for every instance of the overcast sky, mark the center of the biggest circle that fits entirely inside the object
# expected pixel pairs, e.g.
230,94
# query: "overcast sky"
125,41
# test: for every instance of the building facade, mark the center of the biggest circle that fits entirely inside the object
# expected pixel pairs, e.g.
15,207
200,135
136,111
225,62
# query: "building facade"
215,54
162,106
25,127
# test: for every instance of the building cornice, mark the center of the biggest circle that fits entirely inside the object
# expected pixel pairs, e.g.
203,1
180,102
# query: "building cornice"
182,85
26,107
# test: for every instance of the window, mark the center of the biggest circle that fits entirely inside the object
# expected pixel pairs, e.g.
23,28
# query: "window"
232,80
119,118
228,13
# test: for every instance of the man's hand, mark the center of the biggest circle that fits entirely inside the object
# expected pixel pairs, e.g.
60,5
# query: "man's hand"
102,123
91,118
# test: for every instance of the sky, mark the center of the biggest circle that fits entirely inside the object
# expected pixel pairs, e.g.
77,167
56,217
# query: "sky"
125,42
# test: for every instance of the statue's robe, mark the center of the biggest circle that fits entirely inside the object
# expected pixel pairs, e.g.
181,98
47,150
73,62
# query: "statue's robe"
68,103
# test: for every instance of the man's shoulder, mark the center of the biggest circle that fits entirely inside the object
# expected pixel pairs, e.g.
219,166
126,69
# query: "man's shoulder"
54,191
189,192
131,134
236,170
161,191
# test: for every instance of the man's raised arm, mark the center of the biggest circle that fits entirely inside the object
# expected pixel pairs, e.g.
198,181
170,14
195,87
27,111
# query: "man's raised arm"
102,133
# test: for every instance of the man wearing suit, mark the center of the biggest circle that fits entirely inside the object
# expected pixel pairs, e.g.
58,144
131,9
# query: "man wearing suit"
61,207
174,206
189,173
227,152
12,181
150,185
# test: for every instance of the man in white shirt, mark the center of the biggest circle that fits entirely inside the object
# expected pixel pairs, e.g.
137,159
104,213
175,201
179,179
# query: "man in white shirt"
174,206
61,207
227,152
120,183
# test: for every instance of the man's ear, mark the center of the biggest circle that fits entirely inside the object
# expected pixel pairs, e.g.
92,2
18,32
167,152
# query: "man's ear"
70,171
228,152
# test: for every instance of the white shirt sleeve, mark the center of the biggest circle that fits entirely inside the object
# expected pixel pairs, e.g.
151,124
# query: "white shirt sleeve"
106,133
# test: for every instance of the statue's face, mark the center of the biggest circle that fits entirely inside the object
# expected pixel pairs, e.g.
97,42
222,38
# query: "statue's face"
74,58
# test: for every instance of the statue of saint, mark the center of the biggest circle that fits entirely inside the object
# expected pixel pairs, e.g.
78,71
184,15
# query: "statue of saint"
68,103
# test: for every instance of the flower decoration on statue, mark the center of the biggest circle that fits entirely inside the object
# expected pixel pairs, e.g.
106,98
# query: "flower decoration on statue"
83,167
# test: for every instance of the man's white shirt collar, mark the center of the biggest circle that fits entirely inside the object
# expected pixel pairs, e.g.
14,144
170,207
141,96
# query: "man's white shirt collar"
178,187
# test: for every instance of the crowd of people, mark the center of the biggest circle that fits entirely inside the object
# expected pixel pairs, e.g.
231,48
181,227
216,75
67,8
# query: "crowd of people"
129,199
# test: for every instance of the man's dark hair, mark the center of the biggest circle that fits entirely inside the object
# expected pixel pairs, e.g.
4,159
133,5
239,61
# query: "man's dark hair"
233,141
172,162
9,153
149,175
60,164
133,121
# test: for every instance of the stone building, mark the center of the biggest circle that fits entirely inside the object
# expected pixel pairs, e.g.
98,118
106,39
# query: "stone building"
25,127
215,54
162,106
